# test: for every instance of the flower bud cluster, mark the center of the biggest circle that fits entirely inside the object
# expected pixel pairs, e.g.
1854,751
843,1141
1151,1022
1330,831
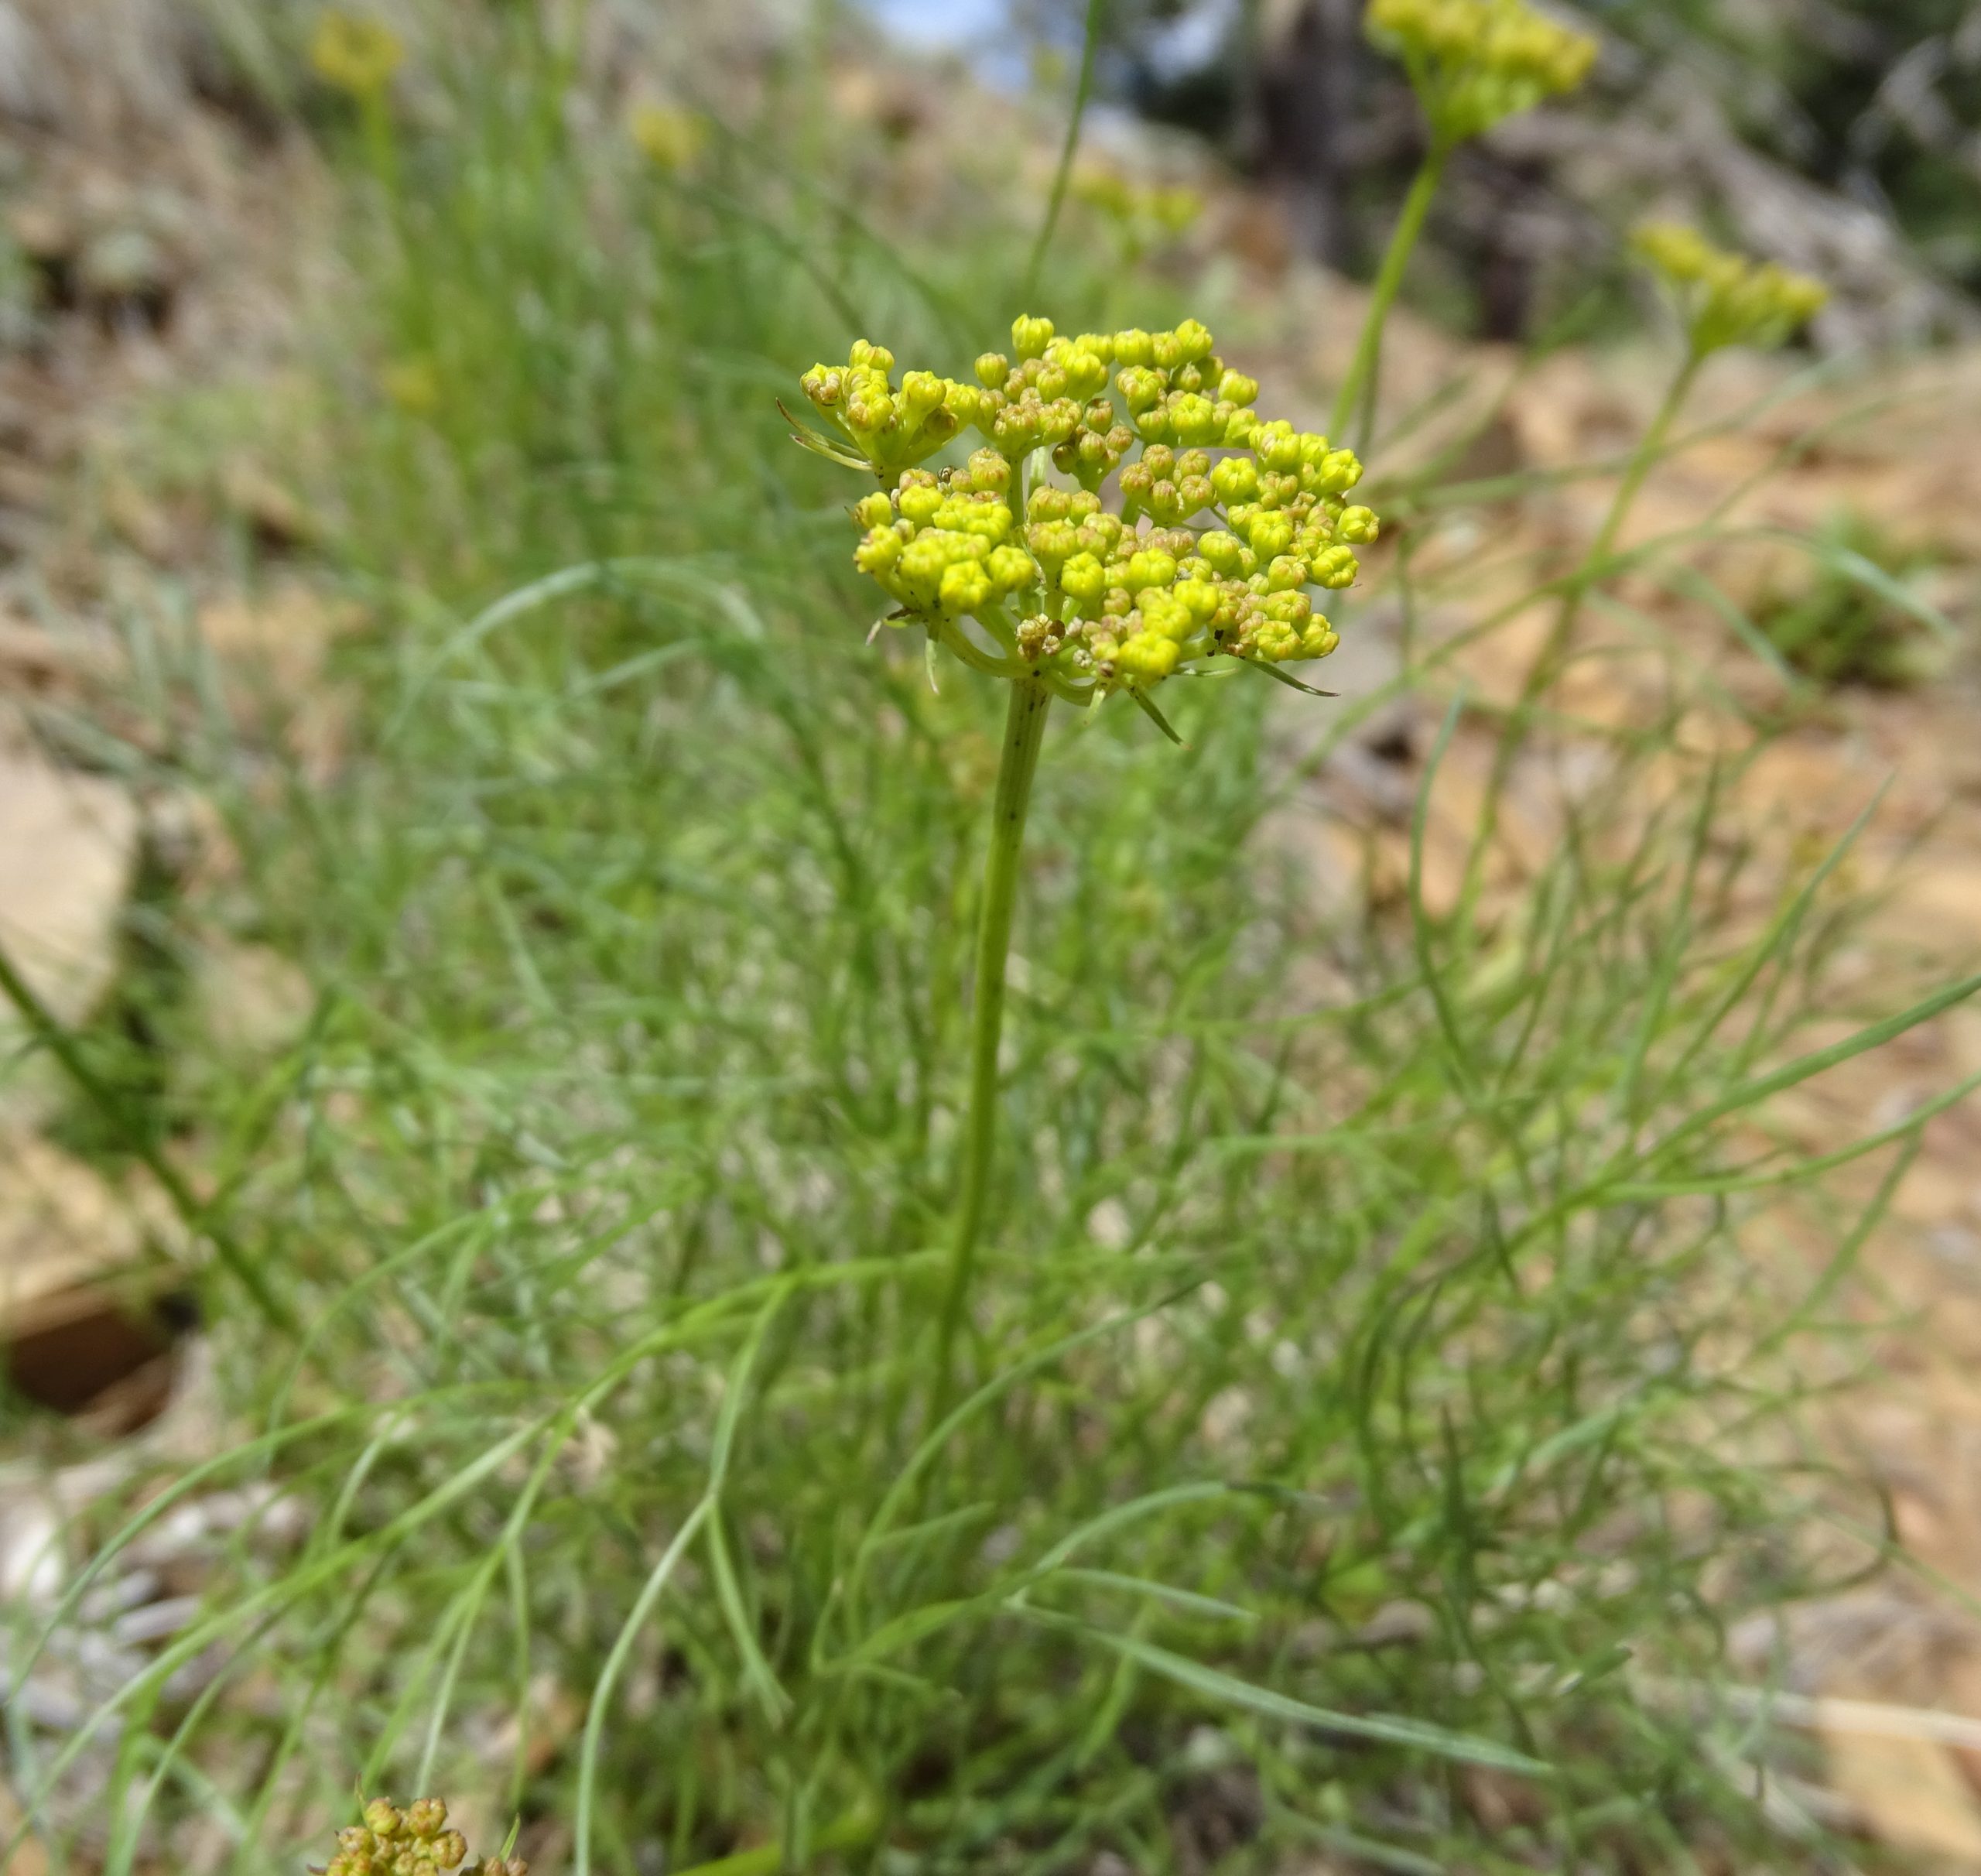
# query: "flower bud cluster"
413,1842
1726,299
670,138
892,427
1143,216
1474,61
1218,525
946,545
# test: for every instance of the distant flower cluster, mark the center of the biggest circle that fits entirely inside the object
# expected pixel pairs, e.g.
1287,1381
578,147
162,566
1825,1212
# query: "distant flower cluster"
1474,61
669,138
355,54
1144,216
1179,527
414,1842
1726,299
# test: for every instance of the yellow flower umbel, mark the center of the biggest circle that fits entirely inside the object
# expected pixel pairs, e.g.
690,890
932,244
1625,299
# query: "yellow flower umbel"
1474,61
414,1842
1725,299
1216,526
670,138
353,54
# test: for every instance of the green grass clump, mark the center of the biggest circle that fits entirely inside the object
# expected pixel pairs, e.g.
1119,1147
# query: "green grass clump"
1379,1423
1855,620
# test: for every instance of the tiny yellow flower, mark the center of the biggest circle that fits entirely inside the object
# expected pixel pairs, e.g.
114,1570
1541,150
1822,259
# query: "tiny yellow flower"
1724,297
670,138
354,53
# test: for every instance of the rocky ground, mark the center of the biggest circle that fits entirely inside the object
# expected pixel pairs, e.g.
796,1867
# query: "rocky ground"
156,296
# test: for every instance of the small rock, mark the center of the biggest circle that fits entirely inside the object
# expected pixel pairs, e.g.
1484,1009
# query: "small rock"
33,1565
1396,1623
68,842
1501,1802
126,272
253,1002
279,521
29,87
1909,1792
79,1332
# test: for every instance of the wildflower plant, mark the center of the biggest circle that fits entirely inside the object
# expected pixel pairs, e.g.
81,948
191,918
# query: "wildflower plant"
671,138
1473,63
688,1220
1129,518
1723,298
359,57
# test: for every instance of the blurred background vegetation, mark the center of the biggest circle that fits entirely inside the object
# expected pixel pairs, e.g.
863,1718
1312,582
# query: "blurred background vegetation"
1835,133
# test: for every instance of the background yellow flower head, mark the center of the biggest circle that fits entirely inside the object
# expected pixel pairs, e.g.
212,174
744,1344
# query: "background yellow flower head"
669,137
355,54
1474,61
1724,297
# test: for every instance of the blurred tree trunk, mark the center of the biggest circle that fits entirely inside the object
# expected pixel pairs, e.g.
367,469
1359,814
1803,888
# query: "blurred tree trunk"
1506,203
1306,102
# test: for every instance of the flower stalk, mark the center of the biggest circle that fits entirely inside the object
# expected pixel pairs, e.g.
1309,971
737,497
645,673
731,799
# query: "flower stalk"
1721,299
1024,731
1472,63
1550,660
1128,518
1356,401
1651,448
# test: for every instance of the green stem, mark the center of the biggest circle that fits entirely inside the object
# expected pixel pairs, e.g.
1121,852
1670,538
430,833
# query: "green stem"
193,1214
1025,729
1358,389
1083,91
1553,654
1546,667
858,1826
